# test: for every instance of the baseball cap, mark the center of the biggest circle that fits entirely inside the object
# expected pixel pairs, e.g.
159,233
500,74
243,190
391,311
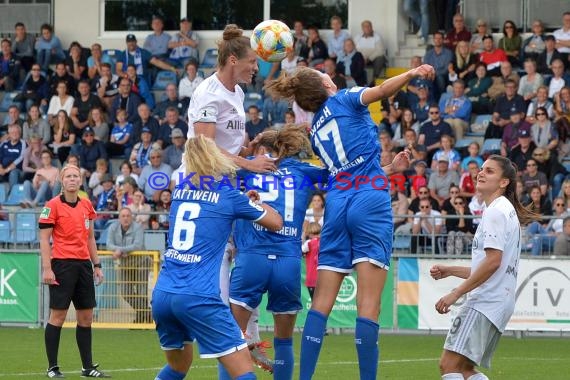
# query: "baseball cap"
421,162
176,132
523,133
106,178
88,130
146,129
131,37
515,112
443,158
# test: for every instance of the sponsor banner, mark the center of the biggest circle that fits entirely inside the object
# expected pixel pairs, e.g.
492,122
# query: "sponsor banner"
343,314
542,296
19,287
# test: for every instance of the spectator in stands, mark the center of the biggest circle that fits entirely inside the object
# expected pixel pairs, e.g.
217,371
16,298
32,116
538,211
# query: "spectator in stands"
422,193
538,202
76,63
184,45
61,75
534,178
420,19
64,135
141,58
473,155
372,47
98,122
315,213
399,129
126,191
439,57
337,39
140,86
163,207
558,80
83,104
13,117
156,166
458,33
330,68
12,157
418,151
456,109
477,206
171,122
417,180
562,118
550,54
157,42
43,184
441,180
426,228
497,89
420,106
350,64
392,109
386,143
447,151
432,130
126,171
416,83
255,125
119,141
459,228
96,60
534,45
543,132
478,90
540,101
549,165
140,155
23,46
60,102
492,56
463,64
562,36
140,209
108,85
565,193
476,43
529,83
125,237
172,155
511,42
274,110
301,39
126,100
468,180
171,101
48,48
32,157
105,203
318,50
36,125
34,90
10,67
190,81
289,63
506,104
517,128
145,121
562,242
95,184
522,151
90,151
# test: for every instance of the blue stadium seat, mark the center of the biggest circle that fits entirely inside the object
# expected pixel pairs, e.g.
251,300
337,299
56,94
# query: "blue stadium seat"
5,232
2,193
25,229
16,195
102,239
491,146
463,143
252,99
210,59
479,125
163,79
7,101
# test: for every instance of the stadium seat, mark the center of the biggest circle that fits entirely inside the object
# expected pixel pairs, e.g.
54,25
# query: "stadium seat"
479,125
491,146
395,71
16,195
163,79
7,101
5,232
2,193
463,143
210,59
252,99
102,239
25,229
375,107
376,117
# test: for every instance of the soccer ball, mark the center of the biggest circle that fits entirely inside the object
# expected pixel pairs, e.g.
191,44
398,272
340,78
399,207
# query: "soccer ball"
272,40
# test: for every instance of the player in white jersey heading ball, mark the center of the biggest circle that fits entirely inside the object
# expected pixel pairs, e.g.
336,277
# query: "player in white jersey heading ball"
490,283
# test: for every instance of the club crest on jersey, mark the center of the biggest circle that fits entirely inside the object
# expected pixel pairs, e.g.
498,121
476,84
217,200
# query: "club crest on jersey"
45,213
86,224
207,113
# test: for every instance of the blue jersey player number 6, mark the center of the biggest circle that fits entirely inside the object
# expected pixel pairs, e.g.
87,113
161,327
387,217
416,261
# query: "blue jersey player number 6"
184,228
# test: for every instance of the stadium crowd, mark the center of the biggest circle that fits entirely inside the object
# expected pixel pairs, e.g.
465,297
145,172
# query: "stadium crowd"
509,96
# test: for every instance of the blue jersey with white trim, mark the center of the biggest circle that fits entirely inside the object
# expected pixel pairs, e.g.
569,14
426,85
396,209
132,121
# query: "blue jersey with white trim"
200,225
288,191
344,136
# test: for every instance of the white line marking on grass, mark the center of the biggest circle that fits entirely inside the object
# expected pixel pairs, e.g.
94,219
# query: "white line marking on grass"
338,363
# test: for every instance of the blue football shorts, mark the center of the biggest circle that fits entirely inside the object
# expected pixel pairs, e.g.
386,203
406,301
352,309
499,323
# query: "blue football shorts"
181,319
358,227
279,276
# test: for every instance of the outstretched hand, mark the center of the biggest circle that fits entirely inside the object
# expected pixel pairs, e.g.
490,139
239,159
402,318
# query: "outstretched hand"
424,71
401,162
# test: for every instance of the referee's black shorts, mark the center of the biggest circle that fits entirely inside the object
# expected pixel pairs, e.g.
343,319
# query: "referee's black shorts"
75,278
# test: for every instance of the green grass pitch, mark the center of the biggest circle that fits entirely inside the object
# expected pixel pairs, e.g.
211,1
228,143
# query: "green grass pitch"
135,354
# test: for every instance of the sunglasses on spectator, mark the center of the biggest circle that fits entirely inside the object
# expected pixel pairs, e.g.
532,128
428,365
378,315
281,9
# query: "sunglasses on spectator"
559,205
458,203
434,112
424,207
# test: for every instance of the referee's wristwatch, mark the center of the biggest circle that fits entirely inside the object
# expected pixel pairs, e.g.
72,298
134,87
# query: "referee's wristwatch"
97,266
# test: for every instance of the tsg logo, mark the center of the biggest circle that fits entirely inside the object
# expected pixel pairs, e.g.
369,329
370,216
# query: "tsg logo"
4,284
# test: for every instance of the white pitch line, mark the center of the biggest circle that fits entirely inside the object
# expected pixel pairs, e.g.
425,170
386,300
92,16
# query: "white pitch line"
340,363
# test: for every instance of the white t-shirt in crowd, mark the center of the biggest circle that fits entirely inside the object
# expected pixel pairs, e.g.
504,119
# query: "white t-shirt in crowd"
499,229
213,103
